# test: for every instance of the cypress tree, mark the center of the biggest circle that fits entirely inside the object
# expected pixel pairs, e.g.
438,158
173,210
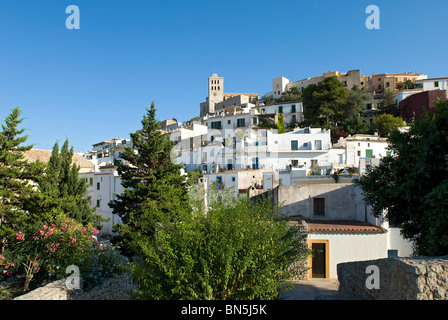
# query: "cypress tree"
154,187
62,191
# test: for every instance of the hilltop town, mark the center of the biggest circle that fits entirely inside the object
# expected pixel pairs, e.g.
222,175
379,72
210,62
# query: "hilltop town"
235,143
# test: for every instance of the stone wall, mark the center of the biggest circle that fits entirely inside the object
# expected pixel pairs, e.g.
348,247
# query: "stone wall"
414,278
117,288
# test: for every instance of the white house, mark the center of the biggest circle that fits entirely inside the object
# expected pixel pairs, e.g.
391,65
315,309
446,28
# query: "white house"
103,184
292,111
361,146
432,84
340,225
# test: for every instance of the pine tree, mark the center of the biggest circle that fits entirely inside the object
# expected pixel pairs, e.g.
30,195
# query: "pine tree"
15,177
154,186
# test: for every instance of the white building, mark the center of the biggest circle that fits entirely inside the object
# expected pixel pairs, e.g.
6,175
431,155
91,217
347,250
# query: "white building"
432,84
103,184
360,146
105,152
292,111
339,223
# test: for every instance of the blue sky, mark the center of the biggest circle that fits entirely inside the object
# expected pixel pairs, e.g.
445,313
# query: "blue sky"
94,83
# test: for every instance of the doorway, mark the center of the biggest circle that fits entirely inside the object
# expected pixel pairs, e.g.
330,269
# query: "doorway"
319,261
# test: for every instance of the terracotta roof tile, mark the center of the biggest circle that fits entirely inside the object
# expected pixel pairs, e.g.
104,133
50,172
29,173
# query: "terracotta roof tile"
44,156
343,226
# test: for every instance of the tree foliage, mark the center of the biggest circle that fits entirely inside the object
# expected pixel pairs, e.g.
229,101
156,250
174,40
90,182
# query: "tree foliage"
16,177
291,95
386,123
412,186
236,250
153,185
329,103
61,191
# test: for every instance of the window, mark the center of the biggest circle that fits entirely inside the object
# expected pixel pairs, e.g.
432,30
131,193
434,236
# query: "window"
233,179
98,203
97,186
388,84
318,144
305,144
359,153
369,153
204,156
369,106
263,110
229,121
319,206
280,109
392,253
216,125
294,145
293,108
436,84
295,163
240,122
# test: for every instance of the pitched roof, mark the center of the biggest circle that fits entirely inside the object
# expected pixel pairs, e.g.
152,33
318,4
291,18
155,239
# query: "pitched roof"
44,156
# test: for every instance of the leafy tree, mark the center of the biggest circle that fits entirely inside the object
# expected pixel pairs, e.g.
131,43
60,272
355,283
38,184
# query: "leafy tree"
16,177
236,250
409,84
293,94
385,124
355,125
153,185
388,102
411,186
324,104
280,124
355,104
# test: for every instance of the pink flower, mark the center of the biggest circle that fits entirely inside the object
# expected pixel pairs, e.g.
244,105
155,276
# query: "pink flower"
49,233
45,227
98,244
20,236
95,231
73,239
41,232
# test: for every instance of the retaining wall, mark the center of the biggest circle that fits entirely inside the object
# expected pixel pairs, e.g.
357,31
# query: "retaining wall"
414,278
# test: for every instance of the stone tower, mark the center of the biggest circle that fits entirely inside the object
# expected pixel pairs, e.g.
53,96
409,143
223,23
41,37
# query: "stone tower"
215,91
